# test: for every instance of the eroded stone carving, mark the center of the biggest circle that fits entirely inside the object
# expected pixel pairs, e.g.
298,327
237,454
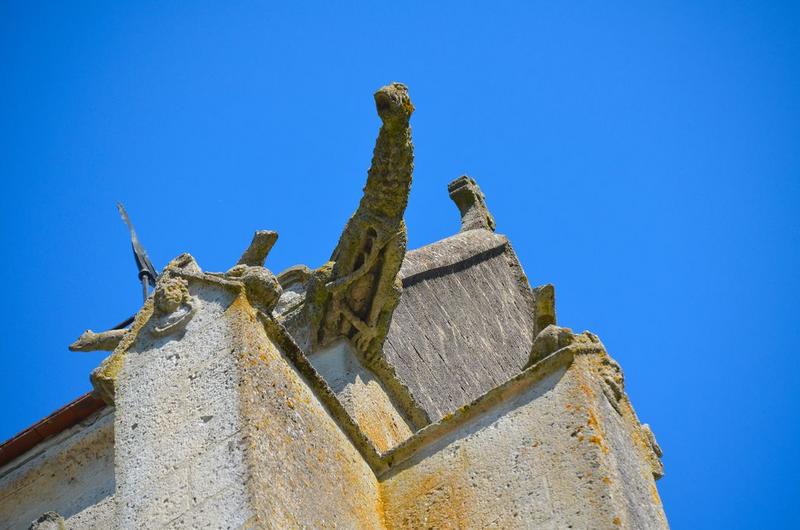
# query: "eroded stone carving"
552,338
293,282
613,382
471,202
103,341
355,293
261,286
656,453
48,521
610,376
174,307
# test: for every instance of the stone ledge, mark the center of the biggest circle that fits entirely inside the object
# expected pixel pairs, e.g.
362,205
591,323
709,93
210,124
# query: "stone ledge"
448,253
487,402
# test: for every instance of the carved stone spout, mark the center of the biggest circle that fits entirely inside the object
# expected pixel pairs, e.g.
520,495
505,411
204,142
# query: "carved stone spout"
263,289
256,253
355,293
103,341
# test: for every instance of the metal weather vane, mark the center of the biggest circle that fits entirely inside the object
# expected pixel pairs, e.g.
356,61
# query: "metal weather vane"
108,340
147,273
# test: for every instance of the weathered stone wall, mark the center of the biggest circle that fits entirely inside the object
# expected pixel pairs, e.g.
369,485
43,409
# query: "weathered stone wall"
179,456
549,453
363,395
72,474
215,428
220,429
305,472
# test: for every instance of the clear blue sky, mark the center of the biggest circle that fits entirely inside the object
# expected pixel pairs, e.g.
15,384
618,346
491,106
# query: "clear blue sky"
645,160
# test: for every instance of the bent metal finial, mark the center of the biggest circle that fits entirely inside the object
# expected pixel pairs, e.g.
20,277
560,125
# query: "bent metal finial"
108,340
147,273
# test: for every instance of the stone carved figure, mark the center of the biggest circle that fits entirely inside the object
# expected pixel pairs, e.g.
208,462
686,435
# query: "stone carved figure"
174,306
355,293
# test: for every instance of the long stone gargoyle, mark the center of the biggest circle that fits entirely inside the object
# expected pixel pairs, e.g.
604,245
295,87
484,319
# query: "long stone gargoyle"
355,293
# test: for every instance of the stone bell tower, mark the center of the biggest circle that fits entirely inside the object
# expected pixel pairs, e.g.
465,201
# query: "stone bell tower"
387,388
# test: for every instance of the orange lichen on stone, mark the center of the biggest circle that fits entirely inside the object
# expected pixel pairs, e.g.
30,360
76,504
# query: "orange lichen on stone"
281,410
430,498
381,427
598,440
104,376
592,421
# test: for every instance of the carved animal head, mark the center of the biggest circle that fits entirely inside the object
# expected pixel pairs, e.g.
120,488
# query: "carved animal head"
393,104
